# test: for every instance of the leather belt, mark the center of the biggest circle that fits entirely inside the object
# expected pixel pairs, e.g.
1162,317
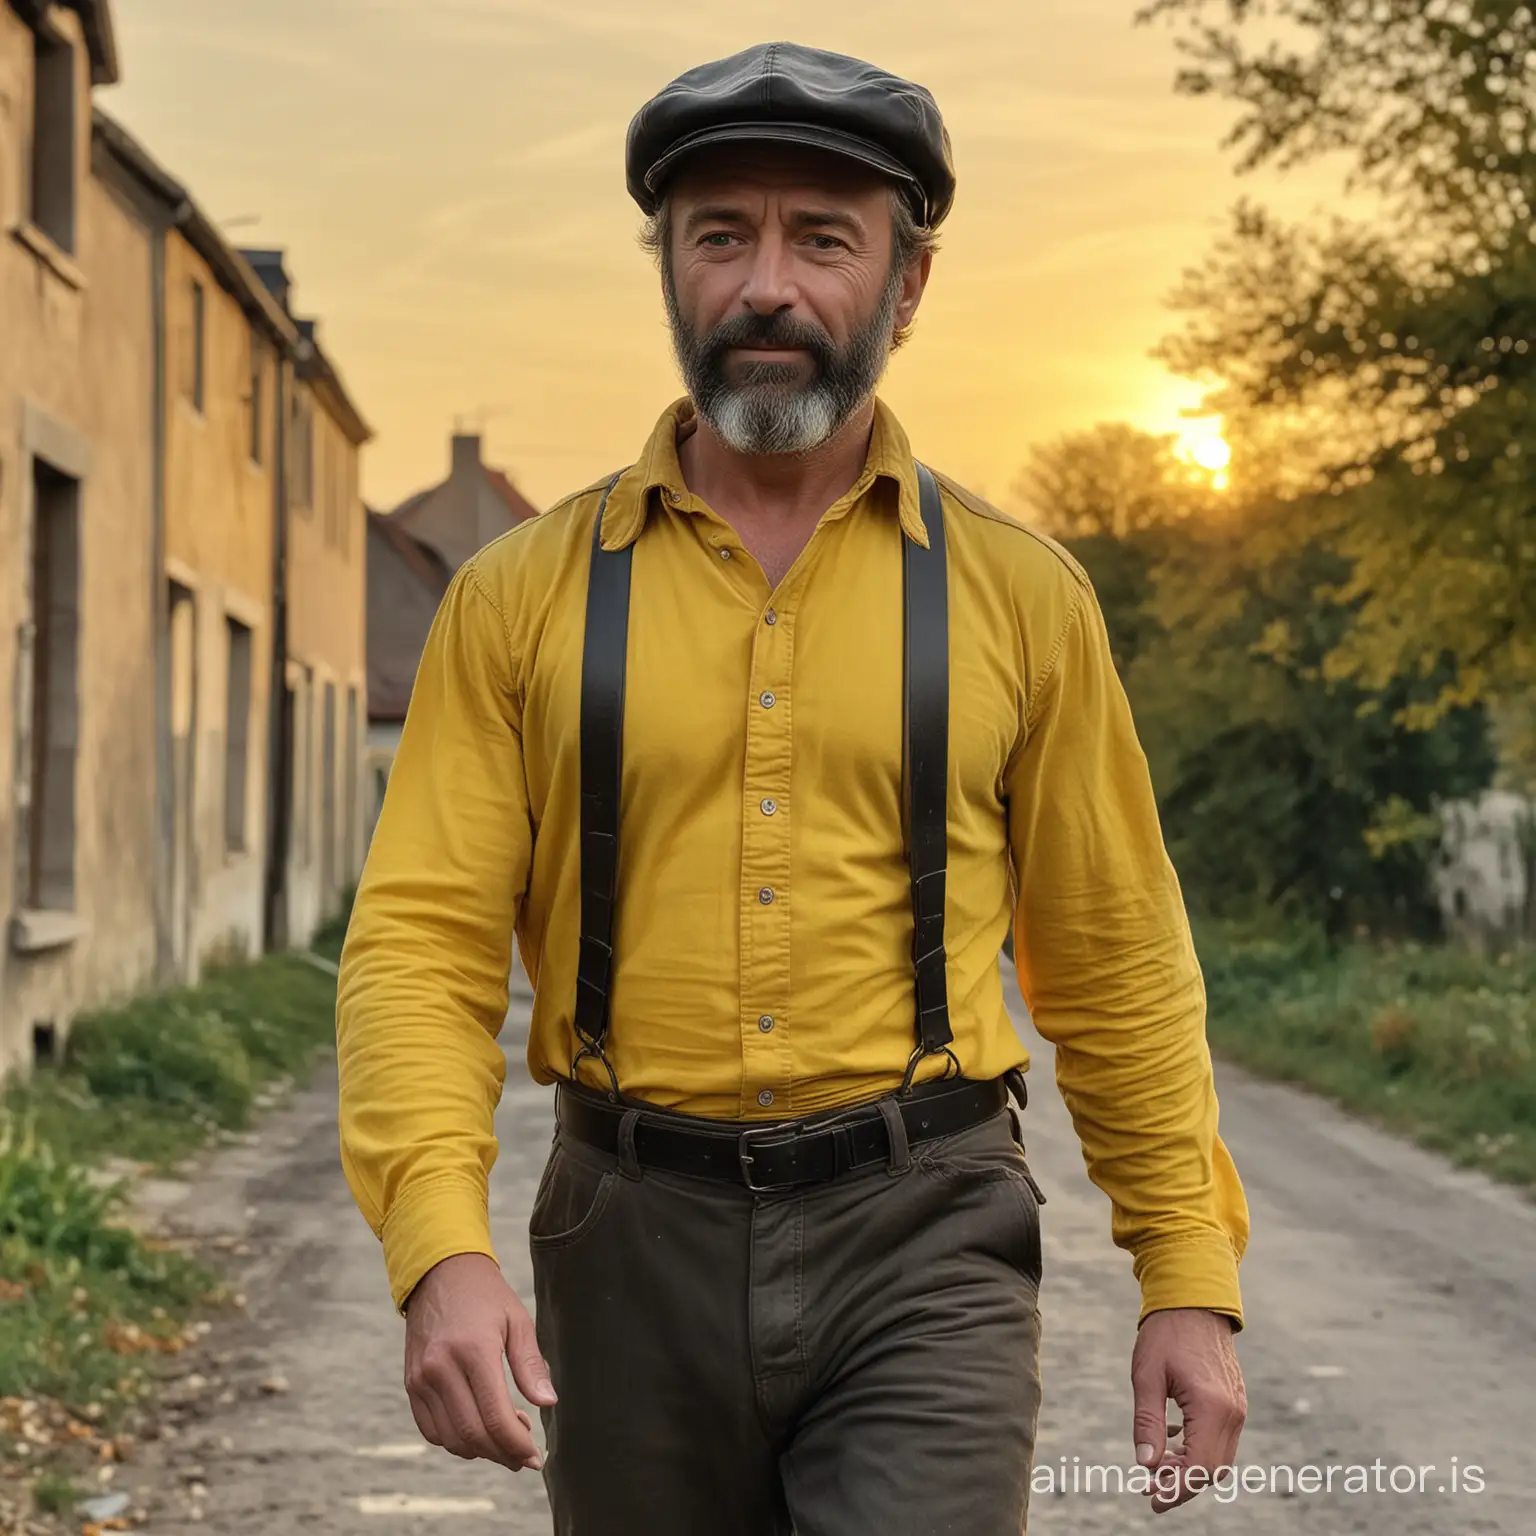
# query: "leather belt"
778,1155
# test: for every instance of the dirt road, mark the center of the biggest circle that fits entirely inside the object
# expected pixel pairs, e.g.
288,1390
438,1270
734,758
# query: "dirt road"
1392,1306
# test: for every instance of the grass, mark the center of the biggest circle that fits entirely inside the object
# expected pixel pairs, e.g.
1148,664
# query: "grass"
84,1297
157,1077
1436,1043
90,1309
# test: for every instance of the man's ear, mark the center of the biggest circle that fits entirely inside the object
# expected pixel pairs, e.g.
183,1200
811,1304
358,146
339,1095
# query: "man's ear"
913,283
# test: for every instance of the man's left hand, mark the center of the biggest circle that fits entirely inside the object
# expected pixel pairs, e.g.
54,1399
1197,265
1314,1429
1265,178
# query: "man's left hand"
1186,1354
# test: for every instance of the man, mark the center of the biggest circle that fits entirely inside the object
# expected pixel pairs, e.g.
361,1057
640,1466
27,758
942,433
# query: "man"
758,745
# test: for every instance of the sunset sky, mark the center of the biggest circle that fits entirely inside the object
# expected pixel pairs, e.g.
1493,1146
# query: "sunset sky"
447,179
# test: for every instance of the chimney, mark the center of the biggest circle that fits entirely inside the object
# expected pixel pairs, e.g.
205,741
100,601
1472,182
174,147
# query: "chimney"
460,522
269,266
465,464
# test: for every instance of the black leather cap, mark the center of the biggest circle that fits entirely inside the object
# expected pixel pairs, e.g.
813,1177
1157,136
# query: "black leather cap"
789,94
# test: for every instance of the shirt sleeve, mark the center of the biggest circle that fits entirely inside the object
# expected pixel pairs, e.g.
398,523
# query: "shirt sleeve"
422,992
1107,966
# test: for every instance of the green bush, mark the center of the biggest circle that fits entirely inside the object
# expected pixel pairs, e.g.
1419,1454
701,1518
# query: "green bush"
86,1305
1434,1041
153,1078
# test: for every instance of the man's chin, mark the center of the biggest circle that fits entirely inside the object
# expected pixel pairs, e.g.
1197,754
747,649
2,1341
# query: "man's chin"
775,379
768,425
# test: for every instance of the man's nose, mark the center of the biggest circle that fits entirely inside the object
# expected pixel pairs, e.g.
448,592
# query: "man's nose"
770,284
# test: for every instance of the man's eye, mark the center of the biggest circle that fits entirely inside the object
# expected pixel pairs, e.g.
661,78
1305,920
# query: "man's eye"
827,243
718,240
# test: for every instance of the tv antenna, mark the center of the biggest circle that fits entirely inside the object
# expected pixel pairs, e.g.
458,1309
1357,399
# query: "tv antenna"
475,420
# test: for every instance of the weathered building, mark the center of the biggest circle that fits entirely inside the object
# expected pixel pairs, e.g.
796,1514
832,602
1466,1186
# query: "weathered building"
319,801
412,554
78,560
181,541
224,351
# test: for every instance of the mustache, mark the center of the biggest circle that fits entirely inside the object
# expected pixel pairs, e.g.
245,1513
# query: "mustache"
777,330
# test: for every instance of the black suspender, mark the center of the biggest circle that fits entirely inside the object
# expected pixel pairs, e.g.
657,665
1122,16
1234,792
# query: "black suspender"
604,655
925,710
926,714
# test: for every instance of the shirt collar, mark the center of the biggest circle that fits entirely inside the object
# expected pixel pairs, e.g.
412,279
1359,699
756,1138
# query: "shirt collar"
659,470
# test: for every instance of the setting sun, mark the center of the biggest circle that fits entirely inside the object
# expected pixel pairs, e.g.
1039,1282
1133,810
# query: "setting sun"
1211,453
1201,444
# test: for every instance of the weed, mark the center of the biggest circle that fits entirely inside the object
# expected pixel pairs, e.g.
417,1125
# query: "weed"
1434,1042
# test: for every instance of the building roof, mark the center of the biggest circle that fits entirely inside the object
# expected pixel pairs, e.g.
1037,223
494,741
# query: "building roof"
315,365
412,555
425,565
406,583
520,508
234,273
463,513
101,39
100,34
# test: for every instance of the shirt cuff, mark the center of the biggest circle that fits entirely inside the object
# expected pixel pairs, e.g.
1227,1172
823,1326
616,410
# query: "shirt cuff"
1191,1272
432,1222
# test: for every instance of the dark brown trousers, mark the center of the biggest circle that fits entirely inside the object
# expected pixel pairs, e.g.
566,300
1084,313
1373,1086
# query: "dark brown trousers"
856,1357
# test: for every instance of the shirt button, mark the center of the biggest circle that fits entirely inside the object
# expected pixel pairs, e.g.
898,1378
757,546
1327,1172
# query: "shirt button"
770,617
765,1098
725,554
765,1023
769,807
767,699
766,895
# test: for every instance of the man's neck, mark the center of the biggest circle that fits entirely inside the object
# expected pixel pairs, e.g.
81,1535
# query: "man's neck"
785,488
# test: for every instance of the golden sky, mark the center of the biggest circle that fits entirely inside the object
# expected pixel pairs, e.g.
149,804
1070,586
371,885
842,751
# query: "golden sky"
447,178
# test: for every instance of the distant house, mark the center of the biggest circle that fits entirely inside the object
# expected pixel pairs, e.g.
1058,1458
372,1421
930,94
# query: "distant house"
1483,882
413,553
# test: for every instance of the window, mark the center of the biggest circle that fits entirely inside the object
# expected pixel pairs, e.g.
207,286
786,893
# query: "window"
353,770
183,667
338,491
380,784
325,473
301,452
258,370
48,723
348,499
237,735
197,369
323,507
303,768
328,793
52,207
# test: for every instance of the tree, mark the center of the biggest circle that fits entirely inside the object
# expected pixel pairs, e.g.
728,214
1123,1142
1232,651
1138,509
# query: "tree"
1112,493
1111,479
1400,348
1281,784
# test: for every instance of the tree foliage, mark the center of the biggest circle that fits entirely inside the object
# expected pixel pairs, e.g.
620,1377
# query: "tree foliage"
1114,493
1398,347
1281,783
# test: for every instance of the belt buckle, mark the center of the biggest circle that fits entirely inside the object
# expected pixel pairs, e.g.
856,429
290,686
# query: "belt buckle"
759,1136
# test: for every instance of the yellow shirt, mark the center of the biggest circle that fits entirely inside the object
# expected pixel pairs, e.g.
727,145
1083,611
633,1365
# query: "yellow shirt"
762,753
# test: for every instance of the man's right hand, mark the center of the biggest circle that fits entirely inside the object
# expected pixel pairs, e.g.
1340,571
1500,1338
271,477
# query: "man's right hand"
461,1322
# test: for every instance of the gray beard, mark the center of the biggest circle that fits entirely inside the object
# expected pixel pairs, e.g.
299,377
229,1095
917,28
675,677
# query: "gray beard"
766,411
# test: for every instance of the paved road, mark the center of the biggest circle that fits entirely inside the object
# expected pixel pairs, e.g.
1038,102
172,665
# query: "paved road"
1392,1306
